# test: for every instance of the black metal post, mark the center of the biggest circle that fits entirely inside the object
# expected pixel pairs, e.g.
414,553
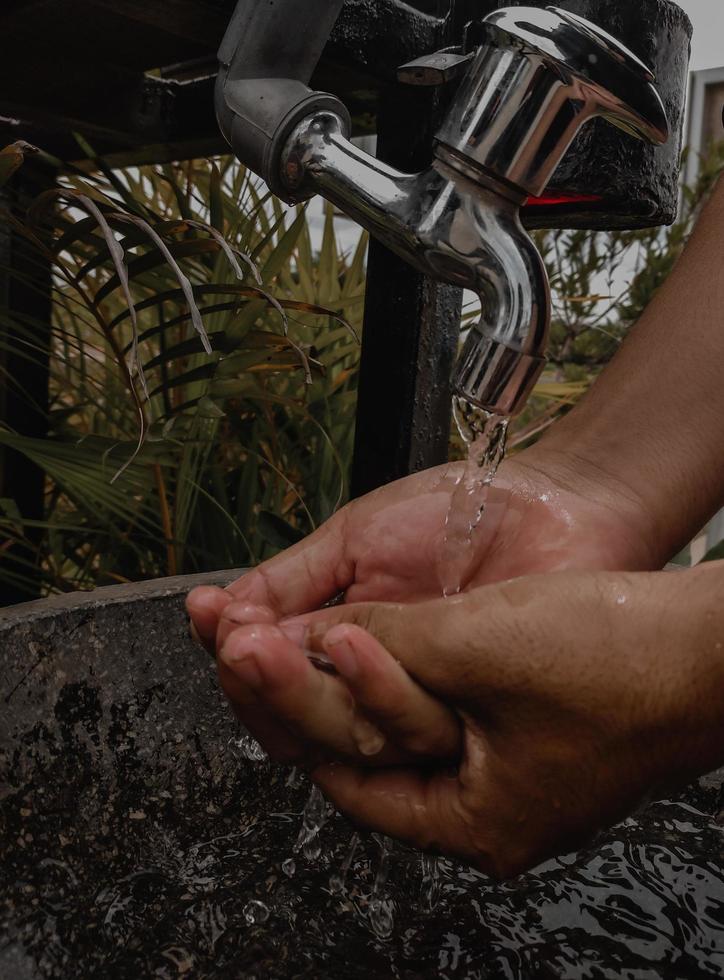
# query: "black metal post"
412,323
25,299
411,327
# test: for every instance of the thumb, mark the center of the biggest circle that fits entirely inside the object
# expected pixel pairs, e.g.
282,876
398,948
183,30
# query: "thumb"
442,644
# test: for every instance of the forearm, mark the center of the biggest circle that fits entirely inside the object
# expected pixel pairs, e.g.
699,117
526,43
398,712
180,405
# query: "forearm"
682,640
652,427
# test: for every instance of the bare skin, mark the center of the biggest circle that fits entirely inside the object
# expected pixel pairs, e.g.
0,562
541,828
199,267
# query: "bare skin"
573,697
386,547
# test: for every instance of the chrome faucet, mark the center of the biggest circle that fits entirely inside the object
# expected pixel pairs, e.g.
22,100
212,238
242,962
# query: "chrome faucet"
536,78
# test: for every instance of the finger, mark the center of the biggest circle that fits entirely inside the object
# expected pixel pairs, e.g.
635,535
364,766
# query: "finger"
205,605
237,614
316,707
274,736
407,804
305,576
413,719
420,637
461,649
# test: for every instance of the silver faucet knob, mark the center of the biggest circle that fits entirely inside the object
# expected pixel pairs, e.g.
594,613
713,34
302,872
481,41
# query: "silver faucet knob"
542,74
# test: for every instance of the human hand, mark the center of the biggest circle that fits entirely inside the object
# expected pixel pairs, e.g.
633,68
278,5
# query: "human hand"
577,696
544,513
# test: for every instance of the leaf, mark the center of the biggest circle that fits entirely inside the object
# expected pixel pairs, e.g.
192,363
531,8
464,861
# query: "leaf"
12,159
208,409
10,509
140,264
183,281
284,247
216,200
229,252
277,532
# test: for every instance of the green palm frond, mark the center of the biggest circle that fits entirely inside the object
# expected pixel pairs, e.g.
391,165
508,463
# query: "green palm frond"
203,375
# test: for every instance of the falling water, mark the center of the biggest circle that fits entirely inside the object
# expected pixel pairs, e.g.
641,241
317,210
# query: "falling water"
484,435
313,818
379,911
431,885
338,880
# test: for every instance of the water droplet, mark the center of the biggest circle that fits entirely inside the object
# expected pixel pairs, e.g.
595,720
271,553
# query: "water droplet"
249,749
255,913
295,779
368,738
381,918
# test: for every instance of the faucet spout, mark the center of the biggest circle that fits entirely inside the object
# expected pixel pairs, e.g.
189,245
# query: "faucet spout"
538,76
504,353
454,229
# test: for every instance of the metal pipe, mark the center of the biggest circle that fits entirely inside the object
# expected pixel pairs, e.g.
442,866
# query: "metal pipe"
266,61
450,228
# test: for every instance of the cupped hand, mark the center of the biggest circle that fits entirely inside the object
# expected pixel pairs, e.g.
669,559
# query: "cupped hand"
542,514
571,698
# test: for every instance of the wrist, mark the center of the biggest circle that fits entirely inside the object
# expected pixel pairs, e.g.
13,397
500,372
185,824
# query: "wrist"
690,659
571,465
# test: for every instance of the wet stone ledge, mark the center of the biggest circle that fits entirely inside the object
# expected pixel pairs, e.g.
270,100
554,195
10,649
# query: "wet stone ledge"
138,839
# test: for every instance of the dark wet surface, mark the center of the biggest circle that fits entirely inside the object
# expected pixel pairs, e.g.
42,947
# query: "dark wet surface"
137,877
134,835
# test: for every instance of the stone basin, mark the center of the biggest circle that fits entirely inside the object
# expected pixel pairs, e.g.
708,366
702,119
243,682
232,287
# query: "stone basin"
138,839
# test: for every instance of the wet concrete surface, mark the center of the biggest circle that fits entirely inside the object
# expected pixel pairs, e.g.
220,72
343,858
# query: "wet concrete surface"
136,837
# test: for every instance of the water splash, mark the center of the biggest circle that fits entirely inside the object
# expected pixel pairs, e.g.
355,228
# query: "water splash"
485,436
313,819
380,911
431,889
248,748
295,779
256,913
338,880
644,902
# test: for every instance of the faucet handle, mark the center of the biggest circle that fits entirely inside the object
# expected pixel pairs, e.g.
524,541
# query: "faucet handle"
537,78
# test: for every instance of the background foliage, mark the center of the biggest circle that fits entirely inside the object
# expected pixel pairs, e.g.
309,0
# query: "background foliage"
204,358
164,456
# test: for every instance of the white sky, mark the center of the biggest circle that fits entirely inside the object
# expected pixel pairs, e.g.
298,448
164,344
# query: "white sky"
707,16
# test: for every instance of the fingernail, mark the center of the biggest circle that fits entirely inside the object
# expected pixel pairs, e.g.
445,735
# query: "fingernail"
247,670
294,631
344,657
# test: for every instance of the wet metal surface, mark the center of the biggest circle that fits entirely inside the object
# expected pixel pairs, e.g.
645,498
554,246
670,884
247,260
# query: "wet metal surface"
137,840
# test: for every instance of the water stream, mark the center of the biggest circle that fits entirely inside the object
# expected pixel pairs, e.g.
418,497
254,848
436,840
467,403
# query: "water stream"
484,435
